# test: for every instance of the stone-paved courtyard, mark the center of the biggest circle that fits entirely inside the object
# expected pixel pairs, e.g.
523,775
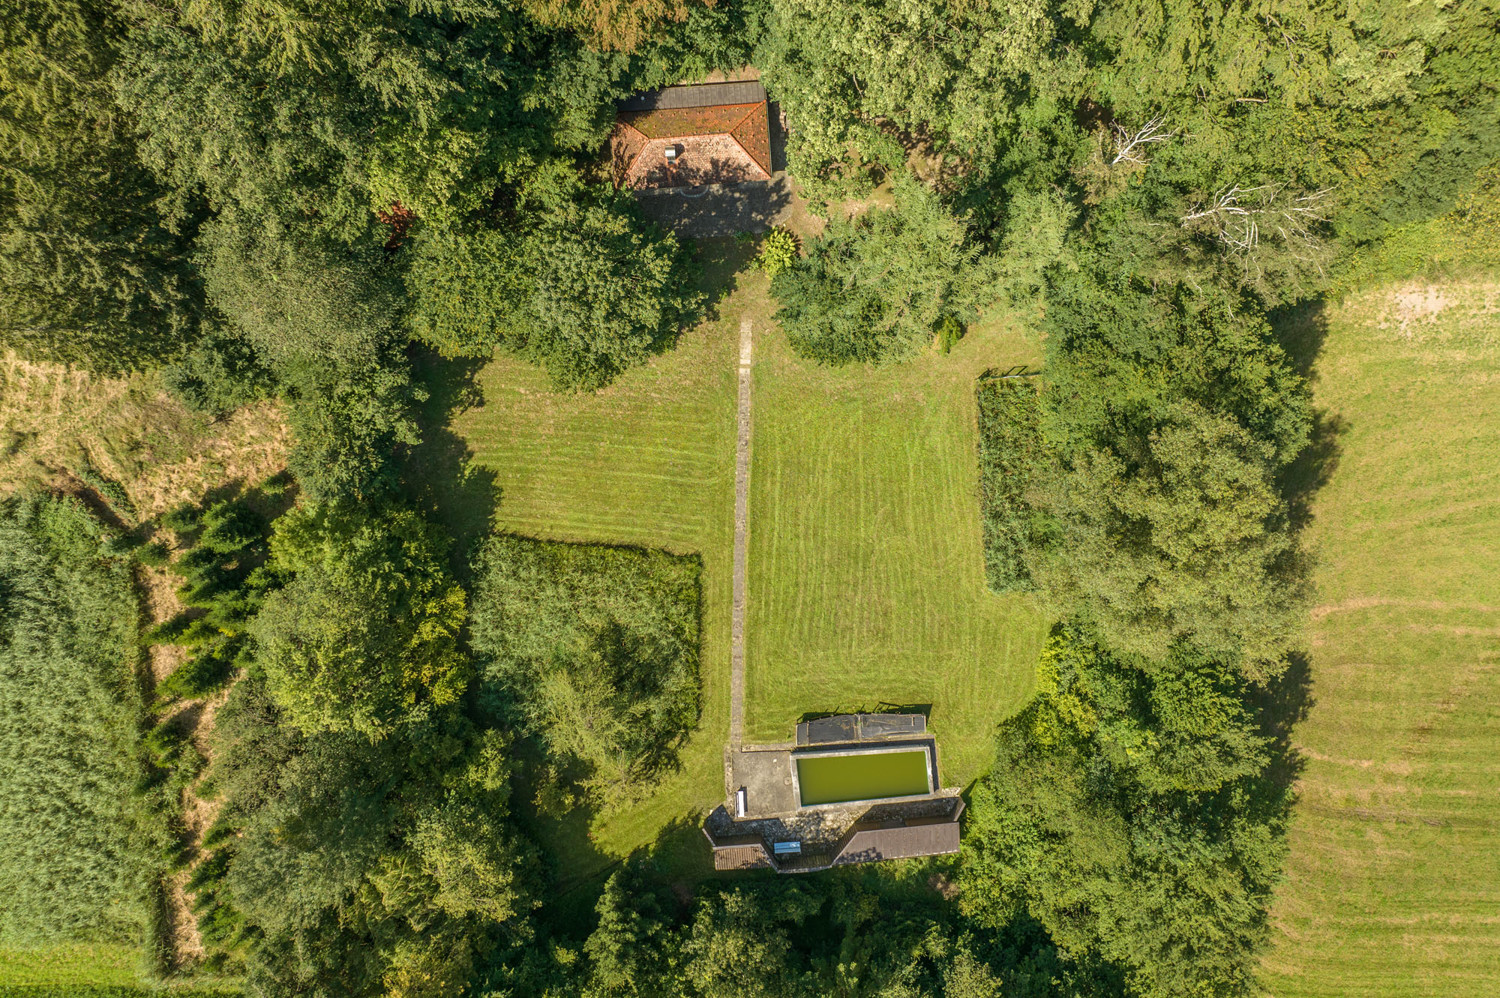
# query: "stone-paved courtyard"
719,209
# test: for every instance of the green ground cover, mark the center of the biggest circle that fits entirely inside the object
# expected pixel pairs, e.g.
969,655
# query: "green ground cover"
649,461
64,964
867,576
1393,879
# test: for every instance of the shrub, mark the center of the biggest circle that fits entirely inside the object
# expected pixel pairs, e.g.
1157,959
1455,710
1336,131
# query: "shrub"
231,526
947,332
199,676
277,485
184,519
169,632
153,555
1010,453
778,252
164,742
111,491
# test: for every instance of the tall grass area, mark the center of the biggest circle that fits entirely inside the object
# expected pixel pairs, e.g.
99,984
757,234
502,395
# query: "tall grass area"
69,965
649,461
866,568
81,846
1393,880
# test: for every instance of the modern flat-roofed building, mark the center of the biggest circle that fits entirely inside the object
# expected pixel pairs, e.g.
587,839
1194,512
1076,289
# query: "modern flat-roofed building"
856,788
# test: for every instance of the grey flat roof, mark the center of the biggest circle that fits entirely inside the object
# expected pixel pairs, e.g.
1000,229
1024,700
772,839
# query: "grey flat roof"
859,727
905,842
696,95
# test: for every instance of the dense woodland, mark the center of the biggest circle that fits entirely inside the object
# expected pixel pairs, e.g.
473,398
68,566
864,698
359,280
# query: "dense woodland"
310,201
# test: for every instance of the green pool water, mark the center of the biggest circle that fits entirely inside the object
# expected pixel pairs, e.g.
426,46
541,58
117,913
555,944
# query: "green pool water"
834,779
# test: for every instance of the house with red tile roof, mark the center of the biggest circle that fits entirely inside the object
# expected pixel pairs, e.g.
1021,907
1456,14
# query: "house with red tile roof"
692,136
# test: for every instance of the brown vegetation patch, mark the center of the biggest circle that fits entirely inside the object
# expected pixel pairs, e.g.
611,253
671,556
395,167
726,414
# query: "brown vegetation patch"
55,421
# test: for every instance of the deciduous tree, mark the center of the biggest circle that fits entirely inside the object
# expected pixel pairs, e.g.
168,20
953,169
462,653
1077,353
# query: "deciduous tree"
364,636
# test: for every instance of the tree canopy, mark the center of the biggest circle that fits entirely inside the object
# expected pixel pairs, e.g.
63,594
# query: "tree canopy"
580,288
875,286
306,200
593,649
364,635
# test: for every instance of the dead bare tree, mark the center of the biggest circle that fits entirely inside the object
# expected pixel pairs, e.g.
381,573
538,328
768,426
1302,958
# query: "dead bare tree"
1130,145
1240,217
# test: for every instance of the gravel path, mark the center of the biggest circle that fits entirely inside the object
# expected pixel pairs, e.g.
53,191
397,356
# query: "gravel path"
741,541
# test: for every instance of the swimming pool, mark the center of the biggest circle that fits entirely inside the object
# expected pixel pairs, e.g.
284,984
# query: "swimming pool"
842,777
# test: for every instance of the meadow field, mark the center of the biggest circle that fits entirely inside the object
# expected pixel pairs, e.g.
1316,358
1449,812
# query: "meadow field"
72,964
867,582
1393,879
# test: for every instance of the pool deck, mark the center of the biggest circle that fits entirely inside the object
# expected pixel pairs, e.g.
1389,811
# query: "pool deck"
827,835
766,774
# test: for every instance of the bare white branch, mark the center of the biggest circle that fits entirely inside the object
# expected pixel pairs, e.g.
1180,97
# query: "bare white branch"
1129,146
1238,217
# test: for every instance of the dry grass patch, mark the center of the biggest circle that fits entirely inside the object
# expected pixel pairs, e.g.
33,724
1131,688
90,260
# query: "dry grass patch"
56,421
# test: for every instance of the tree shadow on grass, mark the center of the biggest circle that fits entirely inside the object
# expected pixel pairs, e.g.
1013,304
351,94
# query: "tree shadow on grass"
679,858
442,478
720,262
1314,467
1284,702
1281,705
1301,329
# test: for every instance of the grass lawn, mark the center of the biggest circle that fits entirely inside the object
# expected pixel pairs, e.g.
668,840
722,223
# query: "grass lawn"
866,571
866,576
647,461
80,964
1393,881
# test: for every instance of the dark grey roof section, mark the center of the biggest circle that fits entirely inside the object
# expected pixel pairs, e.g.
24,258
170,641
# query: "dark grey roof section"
860,728
871,845
696,95
891,831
